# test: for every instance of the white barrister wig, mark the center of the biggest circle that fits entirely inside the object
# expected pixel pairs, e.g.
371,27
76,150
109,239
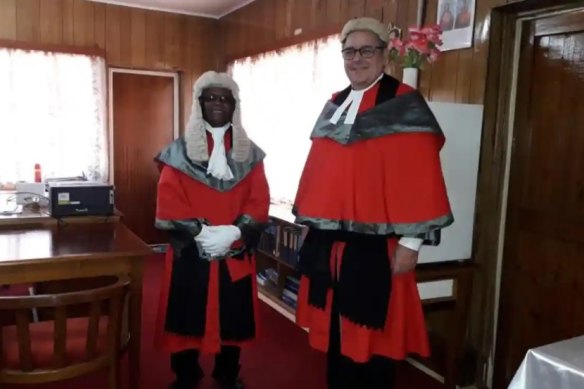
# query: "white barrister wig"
365,24
195,133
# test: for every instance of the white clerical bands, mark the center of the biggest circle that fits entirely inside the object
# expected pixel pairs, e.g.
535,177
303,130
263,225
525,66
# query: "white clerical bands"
353,102
218,166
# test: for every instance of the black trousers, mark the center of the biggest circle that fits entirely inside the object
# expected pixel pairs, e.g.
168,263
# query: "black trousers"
344,373
185,365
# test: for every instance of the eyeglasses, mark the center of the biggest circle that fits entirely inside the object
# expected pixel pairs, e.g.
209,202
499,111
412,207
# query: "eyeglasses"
216,98
364,52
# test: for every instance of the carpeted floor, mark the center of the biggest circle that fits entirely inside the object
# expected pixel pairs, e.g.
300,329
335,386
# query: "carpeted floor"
280,359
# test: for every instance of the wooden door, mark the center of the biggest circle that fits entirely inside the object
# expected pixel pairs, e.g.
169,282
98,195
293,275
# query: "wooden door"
543,265
143,124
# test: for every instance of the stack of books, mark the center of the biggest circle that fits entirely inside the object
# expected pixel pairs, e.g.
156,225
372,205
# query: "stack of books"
290,292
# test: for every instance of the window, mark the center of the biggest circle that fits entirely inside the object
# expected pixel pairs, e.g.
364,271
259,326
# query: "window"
282,94
52,112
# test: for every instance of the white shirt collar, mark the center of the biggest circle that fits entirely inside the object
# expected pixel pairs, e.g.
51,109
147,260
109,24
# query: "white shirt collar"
352,102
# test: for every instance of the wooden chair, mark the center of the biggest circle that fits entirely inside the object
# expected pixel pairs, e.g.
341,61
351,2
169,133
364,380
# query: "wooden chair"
63,347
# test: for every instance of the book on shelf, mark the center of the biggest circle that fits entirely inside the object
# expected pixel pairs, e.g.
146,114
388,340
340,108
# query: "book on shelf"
268,276
289,298
292,284
283,241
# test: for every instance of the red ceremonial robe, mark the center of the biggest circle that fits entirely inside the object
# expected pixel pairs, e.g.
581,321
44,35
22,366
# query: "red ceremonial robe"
380,177
204,305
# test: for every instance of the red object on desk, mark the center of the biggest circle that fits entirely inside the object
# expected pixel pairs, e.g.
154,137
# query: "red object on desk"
37,172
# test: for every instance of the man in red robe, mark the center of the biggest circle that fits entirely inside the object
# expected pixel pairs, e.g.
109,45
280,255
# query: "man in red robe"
213,200
372,192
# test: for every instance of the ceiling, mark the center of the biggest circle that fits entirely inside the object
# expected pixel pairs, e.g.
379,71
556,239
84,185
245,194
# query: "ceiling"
206,8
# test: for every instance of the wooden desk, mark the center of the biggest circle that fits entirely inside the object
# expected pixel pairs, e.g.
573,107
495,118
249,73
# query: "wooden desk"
68,251
41,217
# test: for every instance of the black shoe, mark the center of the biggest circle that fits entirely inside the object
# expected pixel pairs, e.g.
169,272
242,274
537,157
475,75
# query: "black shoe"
227,381
186,368
184,385
191,383
230,384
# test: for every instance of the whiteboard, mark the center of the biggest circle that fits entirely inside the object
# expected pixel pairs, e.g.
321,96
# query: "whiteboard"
462,125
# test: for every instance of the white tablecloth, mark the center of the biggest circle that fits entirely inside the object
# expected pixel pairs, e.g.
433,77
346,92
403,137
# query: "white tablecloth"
555,366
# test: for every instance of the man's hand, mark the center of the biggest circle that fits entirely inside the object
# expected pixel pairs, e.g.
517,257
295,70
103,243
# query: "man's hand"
217,240
405,260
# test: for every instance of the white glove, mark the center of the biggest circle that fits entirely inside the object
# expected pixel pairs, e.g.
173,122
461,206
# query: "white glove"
203,236
217,240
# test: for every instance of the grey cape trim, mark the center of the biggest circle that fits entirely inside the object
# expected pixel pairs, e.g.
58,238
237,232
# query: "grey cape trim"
426,230
251,230
247,220
175,155
405,113
191,226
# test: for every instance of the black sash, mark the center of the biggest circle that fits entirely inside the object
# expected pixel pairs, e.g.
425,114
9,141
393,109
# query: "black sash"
362,287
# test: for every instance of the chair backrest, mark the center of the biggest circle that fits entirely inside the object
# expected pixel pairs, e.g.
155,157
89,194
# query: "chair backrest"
100,350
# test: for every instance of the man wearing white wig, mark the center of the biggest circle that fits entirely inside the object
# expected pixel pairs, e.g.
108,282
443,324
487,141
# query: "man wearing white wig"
372,192
213,200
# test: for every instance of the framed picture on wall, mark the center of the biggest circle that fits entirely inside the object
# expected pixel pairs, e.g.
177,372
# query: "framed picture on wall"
456,17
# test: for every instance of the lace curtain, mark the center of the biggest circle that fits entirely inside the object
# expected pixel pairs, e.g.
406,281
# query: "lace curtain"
52,112
282,94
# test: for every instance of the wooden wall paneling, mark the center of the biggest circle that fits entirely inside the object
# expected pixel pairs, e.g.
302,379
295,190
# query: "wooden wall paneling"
138,40
353,8
194,62
288,17
155,38
99,18
334,11
412,17
68,21
172,40
113,35
300,15
428,72
83,23
126,37
28,17
280,19
243,19
464,76
238,29
51,20
184,42
8,19
318,10
269,33
374,9
390,11
444,74
253,24
227,25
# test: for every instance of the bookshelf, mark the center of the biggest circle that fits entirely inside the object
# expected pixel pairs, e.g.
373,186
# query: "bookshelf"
277,260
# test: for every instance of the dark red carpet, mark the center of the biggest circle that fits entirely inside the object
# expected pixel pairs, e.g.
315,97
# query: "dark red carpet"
279,359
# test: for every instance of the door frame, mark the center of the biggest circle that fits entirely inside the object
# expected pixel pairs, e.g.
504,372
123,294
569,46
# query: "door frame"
497,146
110,110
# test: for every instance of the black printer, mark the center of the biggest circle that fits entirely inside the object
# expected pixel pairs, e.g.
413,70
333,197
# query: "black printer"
80,199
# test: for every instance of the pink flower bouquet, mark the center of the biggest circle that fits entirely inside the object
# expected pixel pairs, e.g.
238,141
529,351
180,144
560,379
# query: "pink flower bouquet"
420,47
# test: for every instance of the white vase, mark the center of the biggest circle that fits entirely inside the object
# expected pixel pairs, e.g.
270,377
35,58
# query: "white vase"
410,77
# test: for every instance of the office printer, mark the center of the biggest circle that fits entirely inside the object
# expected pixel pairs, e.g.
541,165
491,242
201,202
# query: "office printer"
80,198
